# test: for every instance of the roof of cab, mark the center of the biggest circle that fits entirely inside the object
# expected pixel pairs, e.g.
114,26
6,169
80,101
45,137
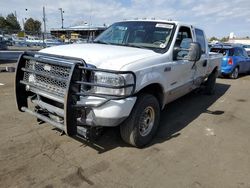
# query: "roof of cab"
160,20
151,20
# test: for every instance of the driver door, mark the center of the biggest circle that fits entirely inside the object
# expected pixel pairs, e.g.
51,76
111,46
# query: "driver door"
182,79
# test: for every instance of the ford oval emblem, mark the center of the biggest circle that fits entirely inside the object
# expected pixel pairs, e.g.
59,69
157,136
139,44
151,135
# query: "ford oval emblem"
47,67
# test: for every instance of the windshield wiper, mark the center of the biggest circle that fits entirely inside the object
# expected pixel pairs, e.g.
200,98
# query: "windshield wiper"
136,46
127,44
101,42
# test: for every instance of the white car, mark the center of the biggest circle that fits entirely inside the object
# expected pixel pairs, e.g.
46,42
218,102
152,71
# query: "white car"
247,48
124,78
33,41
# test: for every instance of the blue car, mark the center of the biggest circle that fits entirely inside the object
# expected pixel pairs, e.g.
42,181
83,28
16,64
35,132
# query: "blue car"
235,60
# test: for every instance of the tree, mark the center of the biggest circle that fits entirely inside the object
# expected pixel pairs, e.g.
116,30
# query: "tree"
33,26
3,22
213,38
12,23
224,39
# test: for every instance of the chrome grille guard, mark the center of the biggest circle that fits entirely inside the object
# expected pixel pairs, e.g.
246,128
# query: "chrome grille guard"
60,79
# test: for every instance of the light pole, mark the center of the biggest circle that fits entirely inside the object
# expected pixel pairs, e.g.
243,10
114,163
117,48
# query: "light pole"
44,25
25,19
62,11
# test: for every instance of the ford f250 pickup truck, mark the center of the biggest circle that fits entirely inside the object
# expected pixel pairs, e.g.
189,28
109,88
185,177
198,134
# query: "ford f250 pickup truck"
124,78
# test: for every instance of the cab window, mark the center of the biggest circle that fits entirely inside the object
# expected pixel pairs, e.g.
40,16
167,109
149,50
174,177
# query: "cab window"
201,39
182,42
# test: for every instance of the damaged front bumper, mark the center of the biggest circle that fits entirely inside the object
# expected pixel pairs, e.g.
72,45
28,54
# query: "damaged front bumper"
57,90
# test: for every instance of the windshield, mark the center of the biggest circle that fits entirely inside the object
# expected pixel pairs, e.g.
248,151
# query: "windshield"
246,46
152,35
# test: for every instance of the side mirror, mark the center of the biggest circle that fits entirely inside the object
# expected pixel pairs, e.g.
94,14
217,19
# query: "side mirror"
194,53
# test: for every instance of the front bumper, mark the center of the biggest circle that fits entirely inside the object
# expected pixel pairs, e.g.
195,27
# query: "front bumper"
55,89
110,114
226,70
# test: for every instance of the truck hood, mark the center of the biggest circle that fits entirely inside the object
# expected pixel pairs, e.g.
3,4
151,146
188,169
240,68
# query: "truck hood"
102,55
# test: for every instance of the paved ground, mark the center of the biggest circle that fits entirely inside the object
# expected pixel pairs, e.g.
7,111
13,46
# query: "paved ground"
203,141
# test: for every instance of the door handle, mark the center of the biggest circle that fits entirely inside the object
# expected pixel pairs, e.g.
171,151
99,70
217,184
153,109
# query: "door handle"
204,64
167,69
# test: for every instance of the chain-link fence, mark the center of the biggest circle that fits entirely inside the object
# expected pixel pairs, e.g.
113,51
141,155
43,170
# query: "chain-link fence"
14,38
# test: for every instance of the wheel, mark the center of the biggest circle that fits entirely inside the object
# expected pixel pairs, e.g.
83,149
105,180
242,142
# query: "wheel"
140,127
235,73
210,83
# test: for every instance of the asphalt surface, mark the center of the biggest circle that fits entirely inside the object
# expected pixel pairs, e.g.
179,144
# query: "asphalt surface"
203,141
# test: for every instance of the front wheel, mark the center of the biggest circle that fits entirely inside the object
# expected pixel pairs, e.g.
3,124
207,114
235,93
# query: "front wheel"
140,127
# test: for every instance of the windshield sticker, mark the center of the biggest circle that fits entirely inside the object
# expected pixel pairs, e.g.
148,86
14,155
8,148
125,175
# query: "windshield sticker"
168,26
122,28
162,45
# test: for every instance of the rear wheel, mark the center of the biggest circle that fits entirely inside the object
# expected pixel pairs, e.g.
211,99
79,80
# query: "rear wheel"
235,73
140,127
210,83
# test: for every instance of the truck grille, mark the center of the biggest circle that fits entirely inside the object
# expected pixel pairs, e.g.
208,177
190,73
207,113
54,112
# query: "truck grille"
52,78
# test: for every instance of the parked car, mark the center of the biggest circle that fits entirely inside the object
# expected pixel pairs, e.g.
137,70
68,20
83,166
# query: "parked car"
235,60
33,41
79,41
247,48
19,41
3,45
124,78
9,40
52,42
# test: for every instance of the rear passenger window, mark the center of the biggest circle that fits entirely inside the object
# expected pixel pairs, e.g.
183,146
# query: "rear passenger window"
237,52
244,52
201,39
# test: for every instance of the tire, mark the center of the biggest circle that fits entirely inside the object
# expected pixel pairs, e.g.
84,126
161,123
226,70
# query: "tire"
210,83
141,125
235,73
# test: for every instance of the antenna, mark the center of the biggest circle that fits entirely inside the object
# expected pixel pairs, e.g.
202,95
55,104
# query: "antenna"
44,23
90,15
62,11
44,20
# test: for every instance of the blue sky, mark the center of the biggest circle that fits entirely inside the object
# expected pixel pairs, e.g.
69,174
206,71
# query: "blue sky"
217,17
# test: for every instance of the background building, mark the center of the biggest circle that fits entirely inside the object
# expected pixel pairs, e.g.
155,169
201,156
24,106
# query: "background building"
85,31
237,40
245,41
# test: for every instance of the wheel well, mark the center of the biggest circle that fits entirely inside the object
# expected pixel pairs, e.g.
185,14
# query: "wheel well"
156,90
215,69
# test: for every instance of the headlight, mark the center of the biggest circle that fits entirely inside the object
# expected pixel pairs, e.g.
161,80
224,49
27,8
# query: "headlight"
109,78
112,84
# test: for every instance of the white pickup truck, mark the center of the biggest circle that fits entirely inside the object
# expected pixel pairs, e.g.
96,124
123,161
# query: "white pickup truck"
124,78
